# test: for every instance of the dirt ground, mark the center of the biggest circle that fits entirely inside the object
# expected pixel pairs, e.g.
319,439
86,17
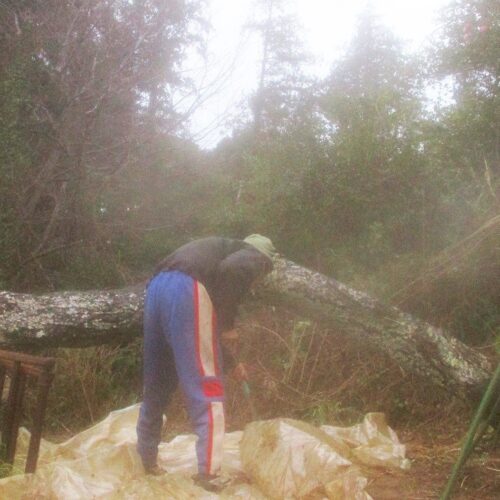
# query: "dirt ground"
432,463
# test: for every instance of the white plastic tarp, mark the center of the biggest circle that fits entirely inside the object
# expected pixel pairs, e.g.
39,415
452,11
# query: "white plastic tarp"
278,459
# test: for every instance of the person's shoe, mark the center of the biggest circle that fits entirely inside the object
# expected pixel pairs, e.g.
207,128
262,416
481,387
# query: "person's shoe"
154,470
209,482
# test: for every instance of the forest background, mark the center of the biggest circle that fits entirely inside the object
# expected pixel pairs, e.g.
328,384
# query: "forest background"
358,175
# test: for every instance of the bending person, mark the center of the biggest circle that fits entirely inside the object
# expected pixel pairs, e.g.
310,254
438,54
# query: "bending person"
191,300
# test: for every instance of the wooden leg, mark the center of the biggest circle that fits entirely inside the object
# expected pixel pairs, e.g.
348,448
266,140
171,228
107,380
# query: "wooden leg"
2,381
43,390
3,409
18,367
16,420
9,411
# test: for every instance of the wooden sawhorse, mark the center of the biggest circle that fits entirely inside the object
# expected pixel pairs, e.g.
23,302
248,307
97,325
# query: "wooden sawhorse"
18,367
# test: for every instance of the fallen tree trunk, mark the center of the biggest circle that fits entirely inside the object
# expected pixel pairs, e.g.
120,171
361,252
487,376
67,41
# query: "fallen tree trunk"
78,319
418,347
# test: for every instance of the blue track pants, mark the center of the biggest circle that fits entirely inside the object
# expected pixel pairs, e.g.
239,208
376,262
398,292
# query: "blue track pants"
181,346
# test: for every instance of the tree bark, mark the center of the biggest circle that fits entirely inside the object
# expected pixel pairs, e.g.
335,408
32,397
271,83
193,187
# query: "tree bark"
418,347
78,319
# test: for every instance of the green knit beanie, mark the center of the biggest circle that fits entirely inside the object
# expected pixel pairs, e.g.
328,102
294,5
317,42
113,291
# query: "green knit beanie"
262,244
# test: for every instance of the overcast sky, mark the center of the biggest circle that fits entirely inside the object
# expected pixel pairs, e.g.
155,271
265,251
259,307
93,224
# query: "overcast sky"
328,25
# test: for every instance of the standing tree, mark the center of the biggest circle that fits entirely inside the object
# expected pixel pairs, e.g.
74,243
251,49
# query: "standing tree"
266,160
281,80
372,187
468,132
85,85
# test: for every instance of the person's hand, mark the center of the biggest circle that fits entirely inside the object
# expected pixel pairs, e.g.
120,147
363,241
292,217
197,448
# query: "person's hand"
240,372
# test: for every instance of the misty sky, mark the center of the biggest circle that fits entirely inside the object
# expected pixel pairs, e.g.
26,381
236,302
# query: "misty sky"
233,51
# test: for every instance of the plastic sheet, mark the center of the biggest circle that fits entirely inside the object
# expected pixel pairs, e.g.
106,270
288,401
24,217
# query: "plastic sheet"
372,442
279,458
288,458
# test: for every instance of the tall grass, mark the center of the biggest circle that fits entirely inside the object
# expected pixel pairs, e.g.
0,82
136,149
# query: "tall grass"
91,382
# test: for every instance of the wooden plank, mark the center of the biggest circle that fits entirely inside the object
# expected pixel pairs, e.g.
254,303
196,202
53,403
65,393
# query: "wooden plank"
26,358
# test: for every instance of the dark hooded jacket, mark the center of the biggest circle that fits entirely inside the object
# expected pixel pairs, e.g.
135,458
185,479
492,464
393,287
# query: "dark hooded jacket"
226,268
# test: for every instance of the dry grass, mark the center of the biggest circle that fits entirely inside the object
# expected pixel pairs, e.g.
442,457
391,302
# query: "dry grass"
303,370
475,254
459,289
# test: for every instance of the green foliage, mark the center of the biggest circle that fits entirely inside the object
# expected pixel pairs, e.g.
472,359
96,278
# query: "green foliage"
334,413
464,141
15,156
85,92
349,168
375,174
